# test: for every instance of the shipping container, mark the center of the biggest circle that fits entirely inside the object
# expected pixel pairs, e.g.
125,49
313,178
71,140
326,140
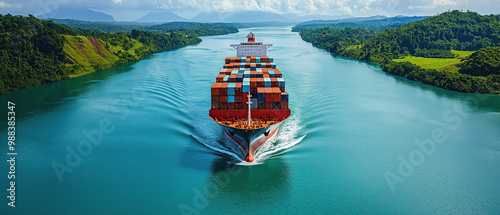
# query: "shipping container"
220,78
223,106
261,94
277,105
274,82
230,106
238,89
255,103
260,82
246,87
276,94
284,97
215,89
230,89
238,98
223,89
267,82
269,105
223,99
284,105
230,99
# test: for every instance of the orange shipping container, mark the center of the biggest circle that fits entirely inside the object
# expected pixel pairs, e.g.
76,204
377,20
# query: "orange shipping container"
220,78
215,89
276,94
223,89
237,89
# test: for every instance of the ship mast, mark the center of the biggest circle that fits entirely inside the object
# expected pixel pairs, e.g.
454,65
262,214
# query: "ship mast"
249,102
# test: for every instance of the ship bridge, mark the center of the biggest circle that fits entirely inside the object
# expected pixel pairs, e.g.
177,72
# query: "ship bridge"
251,47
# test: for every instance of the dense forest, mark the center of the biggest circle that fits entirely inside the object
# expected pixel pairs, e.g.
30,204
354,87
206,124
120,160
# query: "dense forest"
34,51
375,24
194,28
433,37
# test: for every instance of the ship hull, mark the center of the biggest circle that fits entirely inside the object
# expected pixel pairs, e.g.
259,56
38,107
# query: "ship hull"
251,141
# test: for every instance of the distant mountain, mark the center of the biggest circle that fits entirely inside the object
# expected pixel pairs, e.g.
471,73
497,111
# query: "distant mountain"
163,16
256,16
211,16
84,14
299,18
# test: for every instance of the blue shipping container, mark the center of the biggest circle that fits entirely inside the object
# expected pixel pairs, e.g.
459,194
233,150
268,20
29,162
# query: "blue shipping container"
254,104
230,99
261,97
284,97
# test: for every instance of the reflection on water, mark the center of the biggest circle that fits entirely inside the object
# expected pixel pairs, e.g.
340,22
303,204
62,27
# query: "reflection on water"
48,97
264,184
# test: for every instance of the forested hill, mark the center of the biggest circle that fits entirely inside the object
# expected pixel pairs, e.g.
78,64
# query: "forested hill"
34,51
421,43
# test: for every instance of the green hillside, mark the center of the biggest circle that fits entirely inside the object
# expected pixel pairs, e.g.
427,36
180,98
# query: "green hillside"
431,51
34,51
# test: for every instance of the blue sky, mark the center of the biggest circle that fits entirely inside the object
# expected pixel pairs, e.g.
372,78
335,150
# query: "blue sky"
124,10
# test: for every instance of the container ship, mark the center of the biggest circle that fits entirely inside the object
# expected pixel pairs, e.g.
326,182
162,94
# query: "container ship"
249,99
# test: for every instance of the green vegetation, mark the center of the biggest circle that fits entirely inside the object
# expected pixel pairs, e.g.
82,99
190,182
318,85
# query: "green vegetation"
366,23
34,51
194,28
484,62
440,64
424,50
187,28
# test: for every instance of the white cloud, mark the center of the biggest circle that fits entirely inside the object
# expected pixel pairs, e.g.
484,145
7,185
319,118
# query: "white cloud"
7,5
118,2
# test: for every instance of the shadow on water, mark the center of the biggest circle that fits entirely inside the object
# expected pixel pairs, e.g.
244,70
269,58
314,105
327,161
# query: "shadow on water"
259,185
484,102
47,97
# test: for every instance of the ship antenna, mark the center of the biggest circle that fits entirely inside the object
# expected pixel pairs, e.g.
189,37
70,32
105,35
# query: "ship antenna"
249,102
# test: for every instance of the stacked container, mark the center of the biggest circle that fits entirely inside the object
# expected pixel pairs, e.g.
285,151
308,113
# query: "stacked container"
255,76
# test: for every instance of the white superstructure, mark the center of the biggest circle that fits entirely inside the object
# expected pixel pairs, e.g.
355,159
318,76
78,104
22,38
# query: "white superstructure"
251,47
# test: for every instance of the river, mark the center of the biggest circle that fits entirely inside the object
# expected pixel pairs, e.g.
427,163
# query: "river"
137,139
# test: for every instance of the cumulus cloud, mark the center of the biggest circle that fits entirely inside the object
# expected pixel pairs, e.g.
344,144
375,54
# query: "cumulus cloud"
300,7
7,5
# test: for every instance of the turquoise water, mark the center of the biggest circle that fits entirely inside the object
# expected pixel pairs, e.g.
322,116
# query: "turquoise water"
148,147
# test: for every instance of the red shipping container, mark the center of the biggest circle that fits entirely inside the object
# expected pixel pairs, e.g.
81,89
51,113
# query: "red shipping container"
266,76
253,91
278,74
237,89
215,89
230,106
276,94
269,105
232,78
223,106
238,106
238,99
282,89
260,82
222,99
215,106
220,78
269,95
253,82
223,89
284,105
274,82
215,99
244,98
